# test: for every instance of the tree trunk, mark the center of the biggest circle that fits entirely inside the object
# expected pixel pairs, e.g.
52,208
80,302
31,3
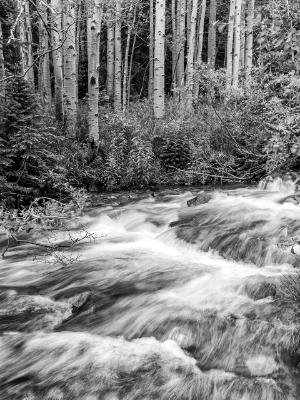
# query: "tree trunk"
181,12
94,19
126,61
118,59
26,55
211,51
174,44
191,51
201,32
70,63
44,67
56,38
237,44
188,21
229,65
151,52
249,41
130,68
200,44
243,26
2,66
110,54
159,60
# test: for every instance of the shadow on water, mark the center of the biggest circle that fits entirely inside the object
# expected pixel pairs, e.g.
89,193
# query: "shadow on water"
169,303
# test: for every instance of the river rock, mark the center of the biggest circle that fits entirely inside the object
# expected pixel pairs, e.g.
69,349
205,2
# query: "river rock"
201,198
293,199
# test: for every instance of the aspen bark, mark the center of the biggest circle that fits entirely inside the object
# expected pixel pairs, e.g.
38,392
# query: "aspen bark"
70,63
94,20
151,52
110,54
159,60
2,66
126,60
249,41
229,64
243,26
130,67
44,67
174,43
26,54
181,12
118,59
211,51
191,51
56,39
237,44
188,21
200,44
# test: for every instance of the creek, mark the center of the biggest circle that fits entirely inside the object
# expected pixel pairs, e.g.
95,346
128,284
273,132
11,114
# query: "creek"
168,303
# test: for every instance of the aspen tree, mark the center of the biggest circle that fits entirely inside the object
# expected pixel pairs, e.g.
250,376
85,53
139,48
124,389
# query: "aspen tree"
229,63
118,59
110,53
191,51
2,66
174,43
26,54
57,57
211,51
243,37
126,60
94,19
70,63
188,20
44,67
237,44
201,33
151,51
200,43
249,41
181,12
130,67
159,60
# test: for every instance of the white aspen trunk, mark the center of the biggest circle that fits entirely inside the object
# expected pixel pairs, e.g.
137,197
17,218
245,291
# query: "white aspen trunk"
151,52
110,54
26,54
201,32
130,68
249,42
237,44
118,59
211,51
174,43
181,12
229,58
2,66
44,67
77,41
126,60
94,19
70,63
243,37
191,51
56,39
188,21
159,60
200,44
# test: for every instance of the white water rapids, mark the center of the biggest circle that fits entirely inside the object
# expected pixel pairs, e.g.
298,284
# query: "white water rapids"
169,303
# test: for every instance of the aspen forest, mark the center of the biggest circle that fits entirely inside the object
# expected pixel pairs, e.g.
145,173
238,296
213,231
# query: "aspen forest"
149,199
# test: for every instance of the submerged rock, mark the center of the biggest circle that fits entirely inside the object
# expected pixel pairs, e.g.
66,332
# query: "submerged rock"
201,198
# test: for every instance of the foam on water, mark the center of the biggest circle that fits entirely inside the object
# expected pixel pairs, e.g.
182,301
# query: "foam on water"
167,303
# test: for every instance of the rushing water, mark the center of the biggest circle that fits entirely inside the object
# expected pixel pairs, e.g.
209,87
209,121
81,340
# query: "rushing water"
169,303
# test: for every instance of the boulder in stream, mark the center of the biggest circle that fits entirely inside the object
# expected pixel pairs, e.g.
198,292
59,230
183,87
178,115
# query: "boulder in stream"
201,198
